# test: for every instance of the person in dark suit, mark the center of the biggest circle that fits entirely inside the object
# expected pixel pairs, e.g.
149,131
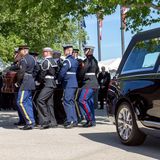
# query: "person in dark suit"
104,80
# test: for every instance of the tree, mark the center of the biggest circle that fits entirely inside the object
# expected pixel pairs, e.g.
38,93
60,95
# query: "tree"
35,27
41,23
7,46
142,13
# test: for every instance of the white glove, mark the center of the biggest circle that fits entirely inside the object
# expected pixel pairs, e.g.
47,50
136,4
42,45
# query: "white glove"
16,85
37,83
57,82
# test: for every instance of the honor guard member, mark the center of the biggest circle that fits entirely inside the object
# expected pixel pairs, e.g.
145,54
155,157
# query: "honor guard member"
80,61
89,73
45,101
68,78
15,67
59,109
36,74
26,83
57,58
37,66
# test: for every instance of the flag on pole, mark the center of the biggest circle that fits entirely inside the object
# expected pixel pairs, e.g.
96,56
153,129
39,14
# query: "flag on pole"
124,11
100,28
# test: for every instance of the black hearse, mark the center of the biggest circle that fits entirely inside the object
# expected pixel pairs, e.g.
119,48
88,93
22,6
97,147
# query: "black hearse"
134,95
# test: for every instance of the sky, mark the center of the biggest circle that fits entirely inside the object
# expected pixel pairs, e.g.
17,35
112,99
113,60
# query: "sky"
111,35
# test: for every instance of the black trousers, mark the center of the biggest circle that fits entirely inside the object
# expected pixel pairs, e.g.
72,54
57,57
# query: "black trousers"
45,106
58,106
102,96
78,111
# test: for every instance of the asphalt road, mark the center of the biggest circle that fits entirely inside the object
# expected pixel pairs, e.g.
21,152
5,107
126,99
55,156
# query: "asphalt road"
97,143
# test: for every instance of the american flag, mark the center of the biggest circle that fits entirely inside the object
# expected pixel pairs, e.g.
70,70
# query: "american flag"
124,11
100,28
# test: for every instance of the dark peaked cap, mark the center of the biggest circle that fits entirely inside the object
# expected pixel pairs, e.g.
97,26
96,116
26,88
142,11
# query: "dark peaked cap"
76,50
56,52
23,47
34,53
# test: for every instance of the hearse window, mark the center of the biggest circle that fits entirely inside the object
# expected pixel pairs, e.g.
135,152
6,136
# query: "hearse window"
143,57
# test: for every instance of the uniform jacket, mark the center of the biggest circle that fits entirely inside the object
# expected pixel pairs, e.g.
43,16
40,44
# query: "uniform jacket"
67,73
37,70
89,72
48,72
104,79
25,74
79,78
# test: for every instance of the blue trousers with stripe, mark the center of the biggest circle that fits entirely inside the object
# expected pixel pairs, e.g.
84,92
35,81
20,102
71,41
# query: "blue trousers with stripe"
21,119
69,104
24,103
87,104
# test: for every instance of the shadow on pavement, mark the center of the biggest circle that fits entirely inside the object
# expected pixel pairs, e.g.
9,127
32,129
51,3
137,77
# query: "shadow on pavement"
7,120
150,148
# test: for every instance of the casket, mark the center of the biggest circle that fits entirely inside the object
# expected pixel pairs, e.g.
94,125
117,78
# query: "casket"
8,82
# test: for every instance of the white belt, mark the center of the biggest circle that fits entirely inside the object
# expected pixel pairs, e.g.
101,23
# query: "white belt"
71,73
28,74
90,74
49,77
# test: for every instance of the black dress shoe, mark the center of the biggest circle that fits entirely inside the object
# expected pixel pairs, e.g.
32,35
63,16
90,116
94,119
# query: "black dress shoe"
75,124
69,125
53,125
45,126
28,127
19,124
94,124
80,120
88,124
66,123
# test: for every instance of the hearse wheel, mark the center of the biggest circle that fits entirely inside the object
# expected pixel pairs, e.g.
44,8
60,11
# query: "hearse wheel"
126,125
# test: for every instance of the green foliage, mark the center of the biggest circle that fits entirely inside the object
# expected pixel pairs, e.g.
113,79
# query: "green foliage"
38,24
7,46
41,23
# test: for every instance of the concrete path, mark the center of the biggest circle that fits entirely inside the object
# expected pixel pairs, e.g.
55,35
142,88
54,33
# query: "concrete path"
97,143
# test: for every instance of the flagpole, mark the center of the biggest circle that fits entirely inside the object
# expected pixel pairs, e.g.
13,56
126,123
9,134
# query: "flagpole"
98,39
79,41
122,32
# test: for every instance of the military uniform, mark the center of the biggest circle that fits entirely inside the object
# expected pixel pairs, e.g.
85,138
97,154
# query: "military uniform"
45,102
59,109
36,92
68,78
26,82
89,73
16,67
78,91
